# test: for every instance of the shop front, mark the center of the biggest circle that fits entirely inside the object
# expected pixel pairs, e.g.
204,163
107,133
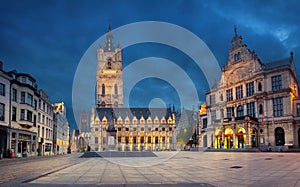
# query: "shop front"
23,143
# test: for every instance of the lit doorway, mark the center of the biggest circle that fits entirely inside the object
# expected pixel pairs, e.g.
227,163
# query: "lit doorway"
241,138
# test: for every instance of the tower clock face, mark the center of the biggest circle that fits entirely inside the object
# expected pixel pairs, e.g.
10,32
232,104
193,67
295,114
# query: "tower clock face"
238,74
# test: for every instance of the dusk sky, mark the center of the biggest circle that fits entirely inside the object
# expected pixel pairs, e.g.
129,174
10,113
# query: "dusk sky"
47,39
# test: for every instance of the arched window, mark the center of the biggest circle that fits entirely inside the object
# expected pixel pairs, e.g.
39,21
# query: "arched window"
238,56
279,136
259,87
103,89
116,89
116,104
102,104
235,57
240,111
109,64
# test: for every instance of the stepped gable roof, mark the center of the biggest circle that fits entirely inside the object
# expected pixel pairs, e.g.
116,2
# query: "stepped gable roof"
131,112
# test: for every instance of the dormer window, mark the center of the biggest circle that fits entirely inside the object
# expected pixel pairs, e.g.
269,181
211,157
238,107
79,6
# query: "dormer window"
237,56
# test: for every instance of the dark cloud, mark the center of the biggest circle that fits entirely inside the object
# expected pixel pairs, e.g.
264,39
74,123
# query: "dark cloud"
48,38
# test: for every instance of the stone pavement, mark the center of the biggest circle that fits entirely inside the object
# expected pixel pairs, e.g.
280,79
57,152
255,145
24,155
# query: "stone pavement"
15,168
176,169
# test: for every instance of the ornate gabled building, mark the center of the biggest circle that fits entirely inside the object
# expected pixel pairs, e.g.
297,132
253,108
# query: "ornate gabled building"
254,104
135,129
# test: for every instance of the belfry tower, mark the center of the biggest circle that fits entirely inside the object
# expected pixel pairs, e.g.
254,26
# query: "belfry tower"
109,74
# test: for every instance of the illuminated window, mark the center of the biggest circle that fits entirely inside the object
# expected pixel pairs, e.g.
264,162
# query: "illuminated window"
229,95
249,89
239,92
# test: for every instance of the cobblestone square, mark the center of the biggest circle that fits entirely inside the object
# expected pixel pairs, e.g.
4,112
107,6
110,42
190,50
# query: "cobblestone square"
181,169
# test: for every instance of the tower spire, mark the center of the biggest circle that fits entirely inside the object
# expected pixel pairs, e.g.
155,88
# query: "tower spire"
109,43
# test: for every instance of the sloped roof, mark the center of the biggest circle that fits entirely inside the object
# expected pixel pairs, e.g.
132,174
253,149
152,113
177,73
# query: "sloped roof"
131,112
277,64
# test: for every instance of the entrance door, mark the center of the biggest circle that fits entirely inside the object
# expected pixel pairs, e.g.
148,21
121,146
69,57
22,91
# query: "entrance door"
254,138
228,142
279,136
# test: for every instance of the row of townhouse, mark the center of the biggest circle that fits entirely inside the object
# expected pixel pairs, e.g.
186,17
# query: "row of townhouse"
26,117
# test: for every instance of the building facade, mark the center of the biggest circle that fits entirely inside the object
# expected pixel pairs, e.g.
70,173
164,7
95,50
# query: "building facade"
61,138
135,129
254,104
45,124
84,122
20,116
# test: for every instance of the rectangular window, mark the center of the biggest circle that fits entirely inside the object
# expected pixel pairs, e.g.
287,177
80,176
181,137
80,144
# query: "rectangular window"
14,95
22,114
277,107
30,99
212,99
229,112
239,92
276,82
213,115
23,80
14,114
2,89
29,116
149,139
22,97
96,140
39,117
35,104
251,109
30,82
40,104
229,95
2,112
204,123
249,89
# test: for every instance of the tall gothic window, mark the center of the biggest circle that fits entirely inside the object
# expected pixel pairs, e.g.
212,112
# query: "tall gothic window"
116,89
103,89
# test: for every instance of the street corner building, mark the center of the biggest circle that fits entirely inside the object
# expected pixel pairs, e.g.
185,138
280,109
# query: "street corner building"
26,116
255,104
114,127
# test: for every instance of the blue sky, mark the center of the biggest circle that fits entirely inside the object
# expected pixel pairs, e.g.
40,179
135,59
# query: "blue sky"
48,38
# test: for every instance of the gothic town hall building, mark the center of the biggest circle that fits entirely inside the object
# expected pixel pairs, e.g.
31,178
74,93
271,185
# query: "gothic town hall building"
136,129
254,104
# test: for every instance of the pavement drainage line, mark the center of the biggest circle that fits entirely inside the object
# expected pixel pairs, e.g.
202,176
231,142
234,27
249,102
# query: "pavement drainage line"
48,173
